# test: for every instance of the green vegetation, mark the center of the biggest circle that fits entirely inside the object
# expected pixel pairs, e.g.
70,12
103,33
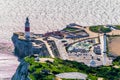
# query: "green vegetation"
69,79
107,46
117,61
112,36
48,70
117,26
99,29
70,29
90,76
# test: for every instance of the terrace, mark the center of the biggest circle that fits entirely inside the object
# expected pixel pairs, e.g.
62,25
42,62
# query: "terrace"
56,34
73,32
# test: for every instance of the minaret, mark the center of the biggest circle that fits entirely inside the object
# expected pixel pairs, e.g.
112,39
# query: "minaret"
27,28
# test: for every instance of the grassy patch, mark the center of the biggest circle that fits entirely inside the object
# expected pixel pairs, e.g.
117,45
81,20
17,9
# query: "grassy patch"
99,29
61,66
117,61
117,26
70,29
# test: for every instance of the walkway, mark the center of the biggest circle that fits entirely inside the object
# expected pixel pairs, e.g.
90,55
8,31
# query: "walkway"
105,59
61,48
48,47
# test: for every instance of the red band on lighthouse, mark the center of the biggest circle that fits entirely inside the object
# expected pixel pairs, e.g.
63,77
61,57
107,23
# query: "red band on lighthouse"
27,29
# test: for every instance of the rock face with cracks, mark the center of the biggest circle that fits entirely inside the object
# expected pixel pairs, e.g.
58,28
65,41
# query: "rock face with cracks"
21,72
22,48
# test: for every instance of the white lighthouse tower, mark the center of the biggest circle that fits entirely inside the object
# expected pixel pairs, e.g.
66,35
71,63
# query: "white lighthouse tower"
27,28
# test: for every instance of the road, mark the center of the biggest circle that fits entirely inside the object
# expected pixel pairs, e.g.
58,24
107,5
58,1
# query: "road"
102,49
106,60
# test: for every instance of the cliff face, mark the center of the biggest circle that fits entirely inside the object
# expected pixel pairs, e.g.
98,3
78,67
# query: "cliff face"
21,72
22,48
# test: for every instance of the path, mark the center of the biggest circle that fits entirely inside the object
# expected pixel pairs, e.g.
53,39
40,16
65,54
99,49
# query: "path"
61,48
48,47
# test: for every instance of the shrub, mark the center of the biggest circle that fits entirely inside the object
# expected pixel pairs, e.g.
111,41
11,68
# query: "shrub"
99,29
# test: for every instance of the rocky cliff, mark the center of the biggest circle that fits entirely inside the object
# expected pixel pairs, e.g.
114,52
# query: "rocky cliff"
22,47
21,72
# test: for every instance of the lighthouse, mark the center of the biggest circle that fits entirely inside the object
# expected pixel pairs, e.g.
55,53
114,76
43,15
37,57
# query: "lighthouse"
27,28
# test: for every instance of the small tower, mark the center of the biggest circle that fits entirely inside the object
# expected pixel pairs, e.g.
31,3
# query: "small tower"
27,28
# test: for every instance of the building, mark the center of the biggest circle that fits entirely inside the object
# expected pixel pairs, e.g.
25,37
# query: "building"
97,50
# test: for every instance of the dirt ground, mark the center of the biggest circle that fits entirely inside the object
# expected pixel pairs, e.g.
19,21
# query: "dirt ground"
114,46
91,34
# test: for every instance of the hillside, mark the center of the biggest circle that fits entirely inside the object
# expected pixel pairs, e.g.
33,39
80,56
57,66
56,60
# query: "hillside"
37,70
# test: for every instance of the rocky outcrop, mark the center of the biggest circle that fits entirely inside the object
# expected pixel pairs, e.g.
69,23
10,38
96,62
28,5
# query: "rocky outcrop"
25,47
22,47
21,72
